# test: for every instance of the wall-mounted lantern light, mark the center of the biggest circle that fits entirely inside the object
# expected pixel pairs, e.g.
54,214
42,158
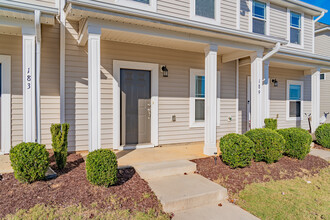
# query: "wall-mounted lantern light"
165,71
275,82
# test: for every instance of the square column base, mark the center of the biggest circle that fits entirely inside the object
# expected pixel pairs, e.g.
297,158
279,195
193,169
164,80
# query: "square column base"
210,149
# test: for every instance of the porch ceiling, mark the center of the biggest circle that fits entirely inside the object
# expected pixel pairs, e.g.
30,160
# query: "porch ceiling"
142,39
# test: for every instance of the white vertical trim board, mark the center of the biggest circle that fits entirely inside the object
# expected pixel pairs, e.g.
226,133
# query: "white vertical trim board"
5,103
94,92
62,60
237,93
154,68
294,82
193,74
316,99
29,95
256,90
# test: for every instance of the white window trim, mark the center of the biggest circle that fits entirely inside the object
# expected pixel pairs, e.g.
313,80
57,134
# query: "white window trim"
154,68
217,13
139,5
192,122
302,37
294,82
267,23
5,103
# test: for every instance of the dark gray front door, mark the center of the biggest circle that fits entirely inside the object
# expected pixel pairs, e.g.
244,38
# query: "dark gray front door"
135,106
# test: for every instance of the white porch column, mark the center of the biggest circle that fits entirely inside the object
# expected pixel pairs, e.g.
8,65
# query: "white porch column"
265,88
29,86
315,99
210,138
94,93
256,90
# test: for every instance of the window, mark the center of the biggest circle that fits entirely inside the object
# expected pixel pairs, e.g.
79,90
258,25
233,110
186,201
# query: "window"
294,99
259,17
197,98
322,76
147,5
295,28
205,11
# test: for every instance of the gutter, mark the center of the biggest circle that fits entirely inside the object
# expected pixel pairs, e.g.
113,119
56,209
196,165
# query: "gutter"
147,15
37,23
319,17
28,7
274,51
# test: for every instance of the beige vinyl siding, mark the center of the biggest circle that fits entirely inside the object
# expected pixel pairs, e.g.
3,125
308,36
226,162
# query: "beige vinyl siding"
12,46
244,15
228,13
308,33
322,43
50,81
175,8
325,94
278,96
47,3
278,21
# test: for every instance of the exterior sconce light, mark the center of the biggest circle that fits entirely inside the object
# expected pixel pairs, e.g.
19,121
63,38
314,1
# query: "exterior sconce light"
165,71
275,82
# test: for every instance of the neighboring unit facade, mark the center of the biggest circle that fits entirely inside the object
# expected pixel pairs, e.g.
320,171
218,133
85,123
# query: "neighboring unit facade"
322,47
144,73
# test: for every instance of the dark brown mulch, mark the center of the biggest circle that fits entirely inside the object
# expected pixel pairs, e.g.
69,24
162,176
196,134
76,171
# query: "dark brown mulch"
71,188
317,146
236,179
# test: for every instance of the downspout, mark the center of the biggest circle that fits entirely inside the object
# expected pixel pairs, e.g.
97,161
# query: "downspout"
274,51
314,22
62,59
38,66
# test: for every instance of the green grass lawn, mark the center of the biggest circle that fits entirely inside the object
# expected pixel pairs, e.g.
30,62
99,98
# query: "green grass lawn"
79,212
289,199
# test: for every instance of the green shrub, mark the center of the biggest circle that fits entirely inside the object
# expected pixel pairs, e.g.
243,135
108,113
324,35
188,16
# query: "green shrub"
271,123
101,167
29,161
236,150
60,143
322,134
269,145
297,142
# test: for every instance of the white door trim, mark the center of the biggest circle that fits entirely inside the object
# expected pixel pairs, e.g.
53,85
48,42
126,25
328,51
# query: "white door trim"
5,103
154,68
248,104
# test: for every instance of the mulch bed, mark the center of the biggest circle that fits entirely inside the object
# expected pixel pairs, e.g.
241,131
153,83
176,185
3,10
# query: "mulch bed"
317,146
72,188
236,179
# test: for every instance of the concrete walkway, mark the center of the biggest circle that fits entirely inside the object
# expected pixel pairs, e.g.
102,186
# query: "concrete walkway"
324,154
189,195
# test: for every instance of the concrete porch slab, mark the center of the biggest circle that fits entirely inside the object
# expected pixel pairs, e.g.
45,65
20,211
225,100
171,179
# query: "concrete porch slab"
166,168
324,154
215,212
182,192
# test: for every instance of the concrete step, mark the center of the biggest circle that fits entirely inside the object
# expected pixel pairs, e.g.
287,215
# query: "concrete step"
180,192
214,212
167,168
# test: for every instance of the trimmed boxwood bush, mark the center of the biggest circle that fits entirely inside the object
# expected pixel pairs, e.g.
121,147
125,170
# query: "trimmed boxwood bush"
29,161
269,145
271,123
297,142
101,167
236,150
60,143
322,134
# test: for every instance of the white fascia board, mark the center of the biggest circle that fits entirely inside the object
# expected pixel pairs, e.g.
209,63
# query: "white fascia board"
313,58
312,9
130,13
28,7
322,29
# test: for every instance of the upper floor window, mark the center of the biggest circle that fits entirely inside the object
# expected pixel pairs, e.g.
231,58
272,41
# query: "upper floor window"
205,11
259,17
148,5
295,28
